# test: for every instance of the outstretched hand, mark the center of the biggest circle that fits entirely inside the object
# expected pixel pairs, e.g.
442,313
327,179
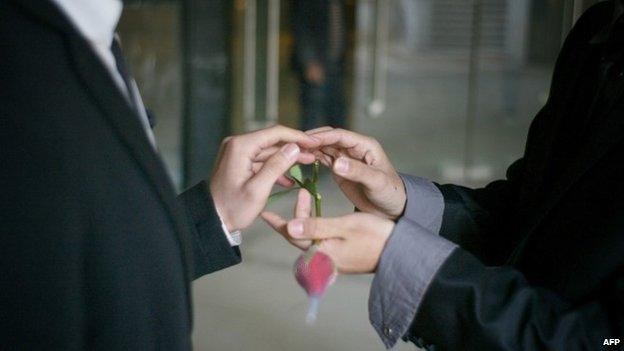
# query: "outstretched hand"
362,170
248,166
354,242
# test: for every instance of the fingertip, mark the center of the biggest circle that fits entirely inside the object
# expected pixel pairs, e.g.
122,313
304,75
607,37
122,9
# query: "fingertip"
303,196
295,228
291,151
317,153
331,151
306,158
309,141
303,205
325,160
318,130
341,166
285,181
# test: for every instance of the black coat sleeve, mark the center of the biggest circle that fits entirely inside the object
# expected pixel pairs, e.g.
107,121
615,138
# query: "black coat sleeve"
478,220
211,249
469,306
473,217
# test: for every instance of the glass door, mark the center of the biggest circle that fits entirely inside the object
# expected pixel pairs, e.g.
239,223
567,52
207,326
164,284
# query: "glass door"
255,45
449,87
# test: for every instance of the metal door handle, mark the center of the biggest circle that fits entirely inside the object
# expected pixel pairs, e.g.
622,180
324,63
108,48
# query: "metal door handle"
377,104
249,63
272,83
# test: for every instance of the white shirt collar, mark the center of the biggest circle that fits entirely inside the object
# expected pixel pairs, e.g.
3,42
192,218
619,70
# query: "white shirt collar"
96,20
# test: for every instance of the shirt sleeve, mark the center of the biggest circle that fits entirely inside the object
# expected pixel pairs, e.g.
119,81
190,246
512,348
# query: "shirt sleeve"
425,203
234,238
408,264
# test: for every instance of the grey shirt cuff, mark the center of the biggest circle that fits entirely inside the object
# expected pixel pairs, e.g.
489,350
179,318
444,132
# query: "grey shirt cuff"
408,264
425,203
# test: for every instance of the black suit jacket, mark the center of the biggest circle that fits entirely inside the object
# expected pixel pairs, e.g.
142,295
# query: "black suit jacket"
541,263
96,251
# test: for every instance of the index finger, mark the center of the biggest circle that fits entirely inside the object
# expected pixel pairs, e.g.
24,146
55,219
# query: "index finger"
319,228
303,208
279,224
341,137
268,137
318,130
357,145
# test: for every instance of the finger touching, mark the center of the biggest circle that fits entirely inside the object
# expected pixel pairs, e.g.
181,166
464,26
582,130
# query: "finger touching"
318,130
305,157
273,168
303,208
280,225
279,134
356,145
341,137
318,228
281,180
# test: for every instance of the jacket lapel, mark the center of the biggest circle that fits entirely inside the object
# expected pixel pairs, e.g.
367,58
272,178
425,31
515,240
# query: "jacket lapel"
125,122
122,118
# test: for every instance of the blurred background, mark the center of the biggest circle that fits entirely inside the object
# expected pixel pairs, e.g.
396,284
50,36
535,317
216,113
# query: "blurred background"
449,88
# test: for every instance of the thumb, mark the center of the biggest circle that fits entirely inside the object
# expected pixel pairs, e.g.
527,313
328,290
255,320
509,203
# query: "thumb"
319,228
370,177
274,168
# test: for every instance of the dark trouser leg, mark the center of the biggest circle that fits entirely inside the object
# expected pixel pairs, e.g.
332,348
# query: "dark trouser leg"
312,104
335,105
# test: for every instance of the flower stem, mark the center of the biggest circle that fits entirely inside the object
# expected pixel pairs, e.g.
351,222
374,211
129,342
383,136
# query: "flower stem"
317,196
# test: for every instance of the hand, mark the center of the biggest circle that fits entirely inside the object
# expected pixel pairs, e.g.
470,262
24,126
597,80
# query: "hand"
247,167
355,241
315,73
362,171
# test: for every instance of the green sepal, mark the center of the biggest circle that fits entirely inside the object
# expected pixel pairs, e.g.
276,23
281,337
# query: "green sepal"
296,174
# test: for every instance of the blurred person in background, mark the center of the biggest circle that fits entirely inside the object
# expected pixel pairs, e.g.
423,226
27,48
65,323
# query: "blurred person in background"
97,252
319,57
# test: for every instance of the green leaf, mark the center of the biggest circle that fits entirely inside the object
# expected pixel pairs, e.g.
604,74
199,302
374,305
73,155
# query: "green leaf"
309,184
276,196
296,173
